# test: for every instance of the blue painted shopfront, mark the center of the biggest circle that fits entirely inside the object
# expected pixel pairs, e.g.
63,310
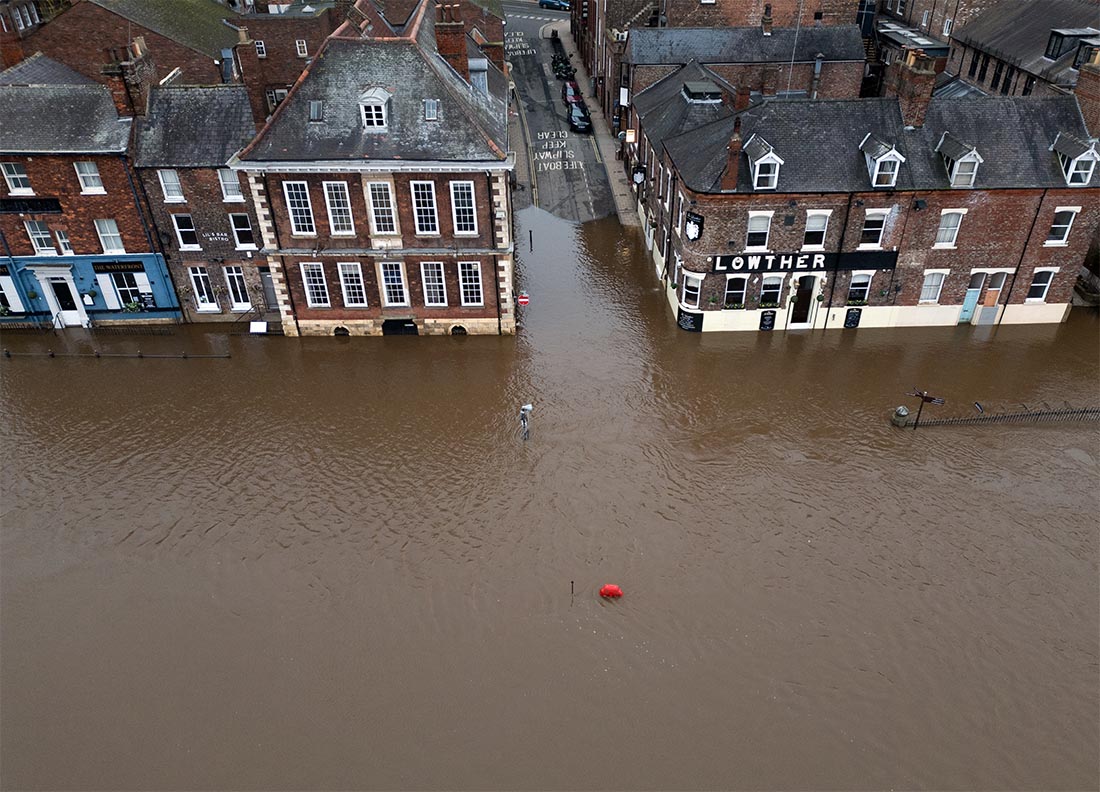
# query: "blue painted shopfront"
85,291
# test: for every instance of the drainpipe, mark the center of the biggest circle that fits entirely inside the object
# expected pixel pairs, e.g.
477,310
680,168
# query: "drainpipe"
817,75
1020,263
153,247
839,253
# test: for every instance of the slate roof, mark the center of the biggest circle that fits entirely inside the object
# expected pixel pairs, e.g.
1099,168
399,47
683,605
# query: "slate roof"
951,87
820,142
60,119
472,126
193,127
742,45
40,70
951,146
665,111
1017,32
196,24
1070,145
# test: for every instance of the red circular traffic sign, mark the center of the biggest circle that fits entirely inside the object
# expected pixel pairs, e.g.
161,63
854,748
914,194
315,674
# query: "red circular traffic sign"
523,299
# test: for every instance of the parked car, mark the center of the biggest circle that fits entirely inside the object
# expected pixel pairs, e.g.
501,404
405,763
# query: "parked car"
554,5
579,120
571,93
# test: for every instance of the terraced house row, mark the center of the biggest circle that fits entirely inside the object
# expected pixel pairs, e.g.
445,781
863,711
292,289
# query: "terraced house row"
371,198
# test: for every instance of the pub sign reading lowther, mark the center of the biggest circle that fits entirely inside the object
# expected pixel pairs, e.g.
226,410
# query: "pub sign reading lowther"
805,262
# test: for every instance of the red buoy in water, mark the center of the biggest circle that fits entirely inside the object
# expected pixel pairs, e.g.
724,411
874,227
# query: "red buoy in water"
610,590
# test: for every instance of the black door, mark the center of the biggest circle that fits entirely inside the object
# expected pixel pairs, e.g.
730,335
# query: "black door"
64,295
800,314
399,327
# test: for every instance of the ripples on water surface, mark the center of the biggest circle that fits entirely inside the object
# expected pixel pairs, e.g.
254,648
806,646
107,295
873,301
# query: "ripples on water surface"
331,563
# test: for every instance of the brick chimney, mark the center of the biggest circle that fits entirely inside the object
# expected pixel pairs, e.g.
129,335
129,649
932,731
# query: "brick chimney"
130,74
766,20
11,49
733,158
742,98
1088,93
450,38
340,11
911,79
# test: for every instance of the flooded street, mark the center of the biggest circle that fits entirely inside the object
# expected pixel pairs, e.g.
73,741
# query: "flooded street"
333,564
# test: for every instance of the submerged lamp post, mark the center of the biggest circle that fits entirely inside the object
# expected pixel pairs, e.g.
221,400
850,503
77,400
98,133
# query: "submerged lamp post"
524,420
924,399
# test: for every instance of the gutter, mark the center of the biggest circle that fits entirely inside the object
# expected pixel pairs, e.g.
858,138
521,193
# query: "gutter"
1020,263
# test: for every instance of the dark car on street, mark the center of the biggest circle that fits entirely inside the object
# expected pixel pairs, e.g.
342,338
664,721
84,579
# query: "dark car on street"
579,121
571,93
554,5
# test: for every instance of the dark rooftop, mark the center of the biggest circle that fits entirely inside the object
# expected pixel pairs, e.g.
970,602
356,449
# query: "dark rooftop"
666,112
60,119
40,70
193,127
196,24
820,142
743,45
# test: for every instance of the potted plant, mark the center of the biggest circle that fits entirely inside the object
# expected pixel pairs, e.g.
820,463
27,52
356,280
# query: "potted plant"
5,310
132,307
92,293
769,305
821,298
32,295
857,302
734,306
713,299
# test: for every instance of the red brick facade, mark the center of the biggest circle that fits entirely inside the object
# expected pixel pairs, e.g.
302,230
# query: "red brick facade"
934,18
749,13
67,39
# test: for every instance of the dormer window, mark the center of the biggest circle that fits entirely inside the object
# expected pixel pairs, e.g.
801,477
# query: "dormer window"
316,110
702,92
960,159
765,163
372,107
1077,158
883,161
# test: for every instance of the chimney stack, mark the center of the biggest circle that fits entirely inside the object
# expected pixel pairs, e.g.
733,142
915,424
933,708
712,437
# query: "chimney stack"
11,48
766,20
242,35
130,75
450,38
1088,93
741,98
911,79
733,159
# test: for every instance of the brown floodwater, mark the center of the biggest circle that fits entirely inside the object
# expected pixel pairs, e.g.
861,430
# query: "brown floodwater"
333,563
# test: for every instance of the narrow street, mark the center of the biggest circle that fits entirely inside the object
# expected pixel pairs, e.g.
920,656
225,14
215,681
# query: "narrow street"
567,176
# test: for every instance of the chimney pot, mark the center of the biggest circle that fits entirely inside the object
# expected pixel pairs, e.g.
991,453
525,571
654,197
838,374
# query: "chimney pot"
741,101
766,20
733,158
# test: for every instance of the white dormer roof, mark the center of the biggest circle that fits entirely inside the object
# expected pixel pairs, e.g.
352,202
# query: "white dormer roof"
759,150
375,95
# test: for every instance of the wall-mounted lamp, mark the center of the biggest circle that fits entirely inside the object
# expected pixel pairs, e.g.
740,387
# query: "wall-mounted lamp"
859,203
919,204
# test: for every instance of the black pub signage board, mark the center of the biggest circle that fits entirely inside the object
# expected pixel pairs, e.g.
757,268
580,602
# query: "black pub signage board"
118,266
806,262
851,318
767,320
692,322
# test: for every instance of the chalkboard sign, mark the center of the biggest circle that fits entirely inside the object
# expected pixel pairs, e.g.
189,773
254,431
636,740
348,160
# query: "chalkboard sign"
148,302
851,319
692,322
767,320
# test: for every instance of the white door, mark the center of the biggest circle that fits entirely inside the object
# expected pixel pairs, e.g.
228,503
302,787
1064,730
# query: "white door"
64,302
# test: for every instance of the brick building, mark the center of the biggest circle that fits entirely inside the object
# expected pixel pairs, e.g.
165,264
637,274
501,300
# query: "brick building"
18,20
189,35
205,219
1025,49
381,187
752,13
891,211
76,248
936,19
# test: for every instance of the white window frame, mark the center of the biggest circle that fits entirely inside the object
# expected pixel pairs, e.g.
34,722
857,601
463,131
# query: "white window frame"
744,289
925,18
391,208
41,231
465,269
939,290
85,188
231,273
383,284
229,178
193,229
199,275
301,48
316,111
939,244
99,229
7,286
870,275
16,170
124,294
867,214
377,99
767,233
955,171
879,171
1071,167
425,267
1046,290
349,270
827,214
328,186
1064,241
948,23
431,109
261,49
314,267
680,213
416,213
164,186
275,96
34,12
778,292
294,227
64,246
18,20
767,159
454,208
236,239
696,289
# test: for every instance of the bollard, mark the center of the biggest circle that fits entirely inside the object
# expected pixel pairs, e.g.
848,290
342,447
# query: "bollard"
900,417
